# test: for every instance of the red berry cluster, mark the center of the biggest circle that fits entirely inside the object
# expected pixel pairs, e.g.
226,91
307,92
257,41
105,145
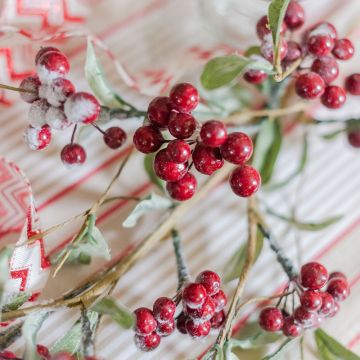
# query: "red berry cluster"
321,44
207,145
202,301
55,105
315,305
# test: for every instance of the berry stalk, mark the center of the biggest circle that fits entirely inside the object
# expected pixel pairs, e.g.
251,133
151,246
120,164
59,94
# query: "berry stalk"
182,270
14,88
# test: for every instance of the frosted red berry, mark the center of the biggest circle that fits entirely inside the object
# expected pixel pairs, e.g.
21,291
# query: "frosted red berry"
182,125
354,138
148,139
164,309
294,51
311,300
327,67
310,86
337,275
114,137
82,107
148,342
213,133
58,91
320,44
44,50
184,97
343,49
159,111
52,64
294,16
181,323
339,289
271,319
43,351
73,155
245,181
263,27
145,323
291,328
166,328
334,97
217,320
194,295
237,148
206,159
327,304
203,313
220,300
352,84
30,83
38,138
313,276
166,169
37,113
179,151
56,118
255,76
267,49
183,189
304,317
210,280
197,330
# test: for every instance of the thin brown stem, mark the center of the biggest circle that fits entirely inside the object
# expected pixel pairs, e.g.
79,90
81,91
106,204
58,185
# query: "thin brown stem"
13,88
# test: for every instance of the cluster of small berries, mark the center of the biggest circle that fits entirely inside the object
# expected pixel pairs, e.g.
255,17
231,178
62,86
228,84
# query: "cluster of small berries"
208,145
202,301
55,105
315,305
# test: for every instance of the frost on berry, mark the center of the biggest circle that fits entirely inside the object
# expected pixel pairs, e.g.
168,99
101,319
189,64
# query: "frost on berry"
220,300
194,295
197,330
51,65
203,313
166,328
30,83
56,118
43,50
145,323
82,107
210,280
37,113
164,309
148,342
58,91
37,138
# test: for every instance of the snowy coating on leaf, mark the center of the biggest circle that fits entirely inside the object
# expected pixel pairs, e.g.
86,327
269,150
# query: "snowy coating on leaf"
149,204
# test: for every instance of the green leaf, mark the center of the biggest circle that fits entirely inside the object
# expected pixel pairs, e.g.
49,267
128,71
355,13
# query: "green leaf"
332,135
149,168
71,341
222,70
96,79
253,50
277,355
118,313
267,148
330,349
30,329
257,340
299,170
276,13
149,204
236,263
15,301
308,226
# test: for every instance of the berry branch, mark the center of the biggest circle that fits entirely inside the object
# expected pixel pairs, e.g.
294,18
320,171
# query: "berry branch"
183,273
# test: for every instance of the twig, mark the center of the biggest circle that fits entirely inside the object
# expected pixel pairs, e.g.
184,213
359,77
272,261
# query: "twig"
182,271
87,337
288,71
13,88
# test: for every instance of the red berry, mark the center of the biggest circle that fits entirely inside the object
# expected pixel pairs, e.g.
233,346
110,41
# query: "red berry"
159,111
203,313
354,138
168,170
310,86
267,49
326,67
181,125
220,300
166,328
148,139
271,319
43,50
352,84
343,49
323,28
197,330
164,309
38,138
313,276
37,113
263,28
51,65
194,295
334,310
327,304
148,342
114,137
291,328
73,155
237,148
30,83
185,97
255,76
304,317
56,118
311,300
336,275
62,356
179,151
339,289
217,320
210,280
245,181
294,51
213,133
4,355
206,159
58,91
334,97
294,16
145,323
320,45
182,189
43,351
82,107
181,323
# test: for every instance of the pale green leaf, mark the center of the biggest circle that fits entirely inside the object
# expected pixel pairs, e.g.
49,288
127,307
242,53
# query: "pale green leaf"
260,339
149,168
276,13
15,301
152,203
277,355
118,313
330,349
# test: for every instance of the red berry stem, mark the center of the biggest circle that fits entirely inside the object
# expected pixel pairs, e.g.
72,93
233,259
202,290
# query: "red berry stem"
182,270
98,128
14,88
120,113
73,134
